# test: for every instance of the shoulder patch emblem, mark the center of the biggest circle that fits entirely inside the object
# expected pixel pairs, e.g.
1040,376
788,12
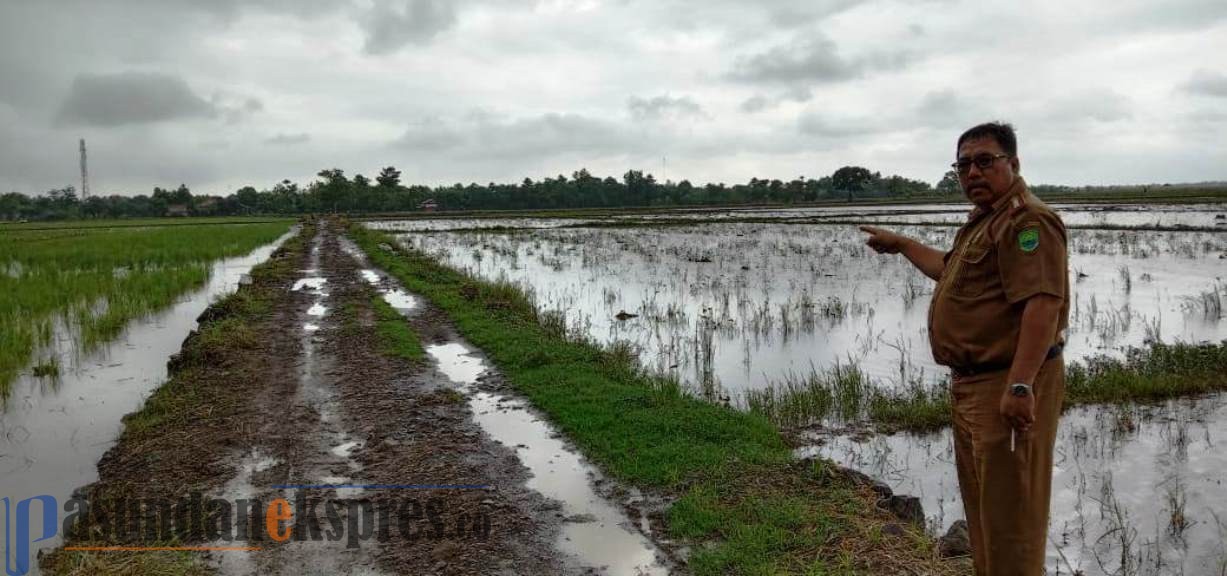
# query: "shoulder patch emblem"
1029,239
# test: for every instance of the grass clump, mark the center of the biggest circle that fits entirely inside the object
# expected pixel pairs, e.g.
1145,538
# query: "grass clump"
49,368
162,563
396,337
742,501
807,519
1156,372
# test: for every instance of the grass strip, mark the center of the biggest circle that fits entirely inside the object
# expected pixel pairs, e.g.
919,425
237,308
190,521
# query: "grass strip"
743,503
161,437
1146,374
396,337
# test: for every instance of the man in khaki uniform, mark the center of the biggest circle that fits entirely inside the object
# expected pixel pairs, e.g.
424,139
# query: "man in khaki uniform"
998,319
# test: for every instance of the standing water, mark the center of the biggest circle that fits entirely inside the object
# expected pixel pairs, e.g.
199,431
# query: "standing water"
1135,490
52,434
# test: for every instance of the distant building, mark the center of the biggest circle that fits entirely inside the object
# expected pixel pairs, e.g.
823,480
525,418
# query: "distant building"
428,205
177,210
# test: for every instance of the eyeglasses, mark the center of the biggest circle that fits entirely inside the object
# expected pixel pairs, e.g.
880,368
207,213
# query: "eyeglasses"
982,161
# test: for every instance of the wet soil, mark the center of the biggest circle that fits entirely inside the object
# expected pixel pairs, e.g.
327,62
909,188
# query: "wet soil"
413,429
190,449
303,405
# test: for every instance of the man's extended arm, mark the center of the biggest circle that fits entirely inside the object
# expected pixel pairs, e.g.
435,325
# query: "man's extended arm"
928,260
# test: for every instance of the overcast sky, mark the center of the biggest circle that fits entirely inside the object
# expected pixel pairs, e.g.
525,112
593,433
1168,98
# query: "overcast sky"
222,93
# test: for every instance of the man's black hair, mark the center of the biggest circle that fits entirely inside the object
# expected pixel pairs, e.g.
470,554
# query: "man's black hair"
1002,132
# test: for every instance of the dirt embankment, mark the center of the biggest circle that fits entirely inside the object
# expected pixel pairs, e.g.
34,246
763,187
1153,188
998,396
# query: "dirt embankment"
413,428
183,438
284,392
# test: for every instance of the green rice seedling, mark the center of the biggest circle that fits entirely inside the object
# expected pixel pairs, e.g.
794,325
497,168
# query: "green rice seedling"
93,280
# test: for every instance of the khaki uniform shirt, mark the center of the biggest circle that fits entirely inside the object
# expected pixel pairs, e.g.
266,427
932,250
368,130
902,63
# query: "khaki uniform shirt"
1000,258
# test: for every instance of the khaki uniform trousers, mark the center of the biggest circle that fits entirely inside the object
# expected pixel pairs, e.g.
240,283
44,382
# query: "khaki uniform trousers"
1006,494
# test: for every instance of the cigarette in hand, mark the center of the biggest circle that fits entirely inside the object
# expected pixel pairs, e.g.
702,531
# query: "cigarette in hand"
1011,439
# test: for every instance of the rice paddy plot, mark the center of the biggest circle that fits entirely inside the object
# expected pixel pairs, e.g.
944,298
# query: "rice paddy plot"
735,307
83,284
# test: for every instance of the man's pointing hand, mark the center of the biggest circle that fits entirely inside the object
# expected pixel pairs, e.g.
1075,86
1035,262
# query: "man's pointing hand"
883,241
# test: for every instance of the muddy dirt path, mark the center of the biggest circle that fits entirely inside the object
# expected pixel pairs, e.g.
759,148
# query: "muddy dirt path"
391,452
605,526
387,465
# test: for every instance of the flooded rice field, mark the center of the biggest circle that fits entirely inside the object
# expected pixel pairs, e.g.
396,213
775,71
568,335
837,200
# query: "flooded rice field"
1199,216
729,307
733,307
54,430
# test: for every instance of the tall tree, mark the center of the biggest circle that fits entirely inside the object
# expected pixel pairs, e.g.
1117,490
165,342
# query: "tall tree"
852,179
949,183
388,177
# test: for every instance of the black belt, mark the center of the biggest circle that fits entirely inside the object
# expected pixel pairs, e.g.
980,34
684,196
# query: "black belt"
966,371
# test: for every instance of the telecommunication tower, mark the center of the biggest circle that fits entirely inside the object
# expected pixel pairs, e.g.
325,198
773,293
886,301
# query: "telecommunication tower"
84,173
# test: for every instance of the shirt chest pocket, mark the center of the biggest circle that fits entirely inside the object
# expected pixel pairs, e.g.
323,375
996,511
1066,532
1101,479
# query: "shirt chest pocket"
976,271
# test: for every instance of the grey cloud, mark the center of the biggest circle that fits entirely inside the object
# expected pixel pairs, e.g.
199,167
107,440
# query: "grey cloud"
737,15
288,139
393,24
941,103
944,109
552,133
234,111
814,124
1170,14
664,107
755,103
1208,83
430,134
759,102
131,98
810,59
482,135
1099,105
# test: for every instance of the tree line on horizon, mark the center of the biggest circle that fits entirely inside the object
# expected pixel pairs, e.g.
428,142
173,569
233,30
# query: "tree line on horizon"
334,192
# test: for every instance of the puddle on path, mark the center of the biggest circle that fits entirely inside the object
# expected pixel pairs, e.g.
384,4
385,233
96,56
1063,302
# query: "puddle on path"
399,300
241,487
313,283
343,450
51,436
1156,466
392,294
597,533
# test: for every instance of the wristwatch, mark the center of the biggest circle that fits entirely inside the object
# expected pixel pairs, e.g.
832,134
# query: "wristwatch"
1020,390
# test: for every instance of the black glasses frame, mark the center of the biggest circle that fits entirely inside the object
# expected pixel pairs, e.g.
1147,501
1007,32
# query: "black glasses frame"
982,161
